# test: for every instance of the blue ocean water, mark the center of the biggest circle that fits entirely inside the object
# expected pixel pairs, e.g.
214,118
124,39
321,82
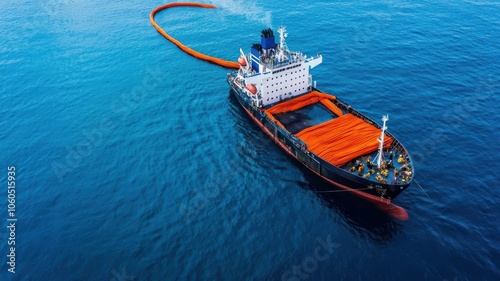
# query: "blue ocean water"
134,162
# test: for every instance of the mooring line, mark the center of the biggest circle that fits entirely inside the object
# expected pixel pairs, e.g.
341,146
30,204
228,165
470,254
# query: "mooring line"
334,191
422,189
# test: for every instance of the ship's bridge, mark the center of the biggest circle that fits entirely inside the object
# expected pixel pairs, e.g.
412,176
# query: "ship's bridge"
273,63
275,72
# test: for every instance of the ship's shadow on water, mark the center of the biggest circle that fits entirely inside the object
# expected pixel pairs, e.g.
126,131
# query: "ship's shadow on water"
359,216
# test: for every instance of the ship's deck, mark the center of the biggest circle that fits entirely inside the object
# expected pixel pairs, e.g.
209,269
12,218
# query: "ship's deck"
340,138
303,118
396,169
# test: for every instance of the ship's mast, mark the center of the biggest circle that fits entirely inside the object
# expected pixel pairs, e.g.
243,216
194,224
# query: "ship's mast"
283,47
247,66
380,156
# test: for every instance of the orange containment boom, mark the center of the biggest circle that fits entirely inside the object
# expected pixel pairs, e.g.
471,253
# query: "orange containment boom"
305,100
342,139
302,101
337,141
221,62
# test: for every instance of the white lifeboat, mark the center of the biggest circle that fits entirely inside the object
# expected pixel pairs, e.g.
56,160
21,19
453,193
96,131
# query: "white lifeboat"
251,88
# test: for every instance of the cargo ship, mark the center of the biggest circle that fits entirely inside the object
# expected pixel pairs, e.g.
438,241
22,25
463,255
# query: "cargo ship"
338,143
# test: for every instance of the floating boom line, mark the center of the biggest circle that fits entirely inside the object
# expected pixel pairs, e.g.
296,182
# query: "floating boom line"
196,54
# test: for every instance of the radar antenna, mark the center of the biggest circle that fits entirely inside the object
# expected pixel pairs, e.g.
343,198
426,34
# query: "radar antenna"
282,47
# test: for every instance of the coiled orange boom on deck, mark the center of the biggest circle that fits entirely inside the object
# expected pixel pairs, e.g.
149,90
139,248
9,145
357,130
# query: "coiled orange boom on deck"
196,54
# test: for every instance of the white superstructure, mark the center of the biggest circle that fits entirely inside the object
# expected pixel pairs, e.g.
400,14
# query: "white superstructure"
271,73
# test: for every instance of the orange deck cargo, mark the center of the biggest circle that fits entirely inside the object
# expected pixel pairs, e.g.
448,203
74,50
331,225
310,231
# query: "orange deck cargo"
337,141
343,139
